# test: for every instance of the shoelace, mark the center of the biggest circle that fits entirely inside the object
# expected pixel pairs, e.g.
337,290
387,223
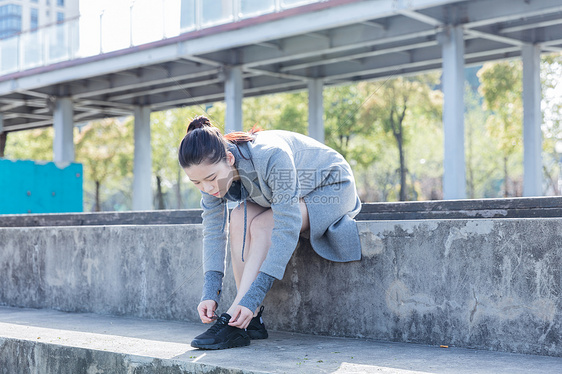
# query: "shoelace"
260,312
221,322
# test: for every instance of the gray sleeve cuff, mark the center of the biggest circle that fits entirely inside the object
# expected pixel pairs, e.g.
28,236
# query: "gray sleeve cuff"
255,295
212,286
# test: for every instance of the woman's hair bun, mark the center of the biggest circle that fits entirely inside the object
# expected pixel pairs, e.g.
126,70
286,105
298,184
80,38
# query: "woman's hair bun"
199,122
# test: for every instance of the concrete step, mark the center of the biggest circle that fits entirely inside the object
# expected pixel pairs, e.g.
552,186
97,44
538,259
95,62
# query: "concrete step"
46,341
520,207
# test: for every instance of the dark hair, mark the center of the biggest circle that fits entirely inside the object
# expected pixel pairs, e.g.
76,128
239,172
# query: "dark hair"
204,142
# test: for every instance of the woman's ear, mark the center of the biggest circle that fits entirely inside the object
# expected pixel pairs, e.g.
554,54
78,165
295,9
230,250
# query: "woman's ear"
230,158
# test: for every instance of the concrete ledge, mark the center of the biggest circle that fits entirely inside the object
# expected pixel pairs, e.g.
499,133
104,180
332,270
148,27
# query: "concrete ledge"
484,284
536,207
48,342
487,283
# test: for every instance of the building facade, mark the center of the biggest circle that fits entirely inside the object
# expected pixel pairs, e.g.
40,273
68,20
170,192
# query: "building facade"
24,15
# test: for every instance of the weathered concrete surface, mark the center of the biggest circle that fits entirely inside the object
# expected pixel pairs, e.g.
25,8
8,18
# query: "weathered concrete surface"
487,283
143,271
49,342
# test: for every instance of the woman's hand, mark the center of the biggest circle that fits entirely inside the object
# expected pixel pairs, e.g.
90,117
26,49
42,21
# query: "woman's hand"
206,309
241,317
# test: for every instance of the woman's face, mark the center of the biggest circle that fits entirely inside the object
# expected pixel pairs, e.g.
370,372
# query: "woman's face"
214,179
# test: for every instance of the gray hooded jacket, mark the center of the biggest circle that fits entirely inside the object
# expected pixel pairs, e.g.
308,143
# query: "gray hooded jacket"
276,169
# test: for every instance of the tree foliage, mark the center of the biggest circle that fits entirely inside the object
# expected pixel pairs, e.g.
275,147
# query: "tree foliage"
36,144
105,148
501,88
551,71
395,107
390,131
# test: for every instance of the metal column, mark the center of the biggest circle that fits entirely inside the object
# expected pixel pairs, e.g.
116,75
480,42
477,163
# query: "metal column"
316,109
233,93
142,168
63,143
532,118
454,174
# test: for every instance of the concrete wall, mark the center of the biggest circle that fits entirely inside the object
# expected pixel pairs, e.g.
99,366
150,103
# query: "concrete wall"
487,283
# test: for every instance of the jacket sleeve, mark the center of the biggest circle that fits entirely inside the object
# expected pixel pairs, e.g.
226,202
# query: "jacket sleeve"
281,177
215,224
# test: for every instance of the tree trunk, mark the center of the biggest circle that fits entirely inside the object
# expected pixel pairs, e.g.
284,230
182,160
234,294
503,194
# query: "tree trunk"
97,206
506,178
178,191
398,130
402,168
3,138
159,194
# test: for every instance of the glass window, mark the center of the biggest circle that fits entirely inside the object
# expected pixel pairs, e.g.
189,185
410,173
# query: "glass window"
60,16
60,2
252,7
295,3
10,9
34,1
10,19
216,11
9,53
33,18
187,15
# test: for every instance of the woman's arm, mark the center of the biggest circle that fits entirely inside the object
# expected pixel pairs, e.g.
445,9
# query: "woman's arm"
287,217
281,178
215,225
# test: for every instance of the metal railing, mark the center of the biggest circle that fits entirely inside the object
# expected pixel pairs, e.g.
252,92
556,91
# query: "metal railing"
124,25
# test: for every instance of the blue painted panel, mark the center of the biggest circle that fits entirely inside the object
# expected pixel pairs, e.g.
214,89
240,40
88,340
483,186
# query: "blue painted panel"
40,187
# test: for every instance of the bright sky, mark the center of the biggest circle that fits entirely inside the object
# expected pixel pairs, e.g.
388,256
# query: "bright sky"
149,23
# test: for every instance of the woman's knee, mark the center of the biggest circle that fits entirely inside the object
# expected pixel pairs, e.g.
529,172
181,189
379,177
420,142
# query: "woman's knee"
237,226
262,225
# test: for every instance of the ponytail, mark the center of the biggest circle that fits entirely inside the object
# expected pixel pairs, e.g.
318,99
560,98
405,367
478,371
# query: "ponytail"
239,137
204,142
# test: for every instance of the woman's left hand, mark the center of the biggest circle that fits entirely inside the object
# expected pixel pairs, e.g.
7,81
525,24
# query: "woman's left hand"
241,317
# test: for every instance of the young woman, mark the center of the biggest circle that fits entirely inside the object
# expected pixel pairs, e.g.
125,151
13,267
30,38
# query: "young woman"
288,185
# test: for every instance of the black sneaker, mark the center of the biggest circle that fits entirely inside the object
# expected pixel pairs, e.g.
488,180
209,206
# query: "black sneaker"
221,336
256,328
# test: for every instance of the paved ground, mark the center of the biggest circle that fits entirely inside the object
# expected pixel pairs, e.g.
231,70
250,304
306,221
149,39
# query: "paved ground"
283,352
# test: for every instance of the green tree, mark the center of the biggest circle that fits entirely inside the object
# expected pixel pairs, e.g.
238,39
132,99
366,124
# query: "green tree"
105,148
168,129
284,111
390,105
551,71
342,105
36,144
501,89
162,144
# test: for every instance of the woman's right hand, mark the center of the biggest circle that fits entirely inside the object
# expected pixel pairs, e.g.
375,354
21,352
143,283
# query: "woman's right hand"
206,309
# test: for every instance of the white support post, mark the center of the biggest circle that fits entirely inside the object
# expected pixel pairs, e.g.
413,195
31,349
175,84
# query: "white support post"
63,144
532,135
233,93
454,174
316,109
142,168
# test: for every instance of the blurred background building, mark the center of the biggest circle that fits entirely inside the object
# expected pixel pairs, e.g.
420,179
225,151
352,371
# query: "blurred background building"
24,15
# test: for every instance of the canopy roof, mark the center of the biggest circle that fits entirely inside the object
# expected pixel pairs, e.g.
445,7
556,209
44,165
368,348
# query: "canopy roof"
337,41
